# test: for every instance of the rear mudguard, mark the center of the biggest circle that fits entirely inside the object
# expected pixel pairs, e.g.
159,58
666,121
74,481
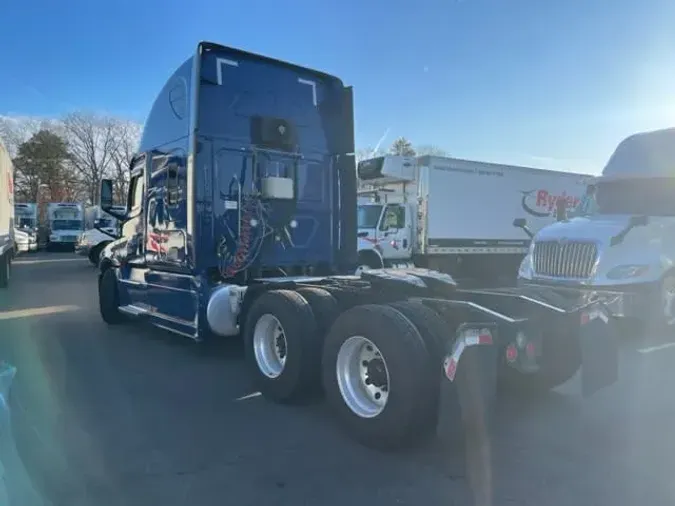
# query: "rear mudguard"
552,336
583,336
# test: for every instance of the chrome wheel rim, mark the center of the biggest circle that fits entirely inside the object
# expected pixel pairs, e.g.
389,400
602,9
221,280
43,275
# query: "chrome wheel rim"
363,377
270,346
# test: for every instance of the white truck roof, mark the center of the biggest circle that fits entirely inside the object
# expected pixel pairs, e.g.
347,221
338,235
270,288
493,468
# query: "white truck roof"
646,154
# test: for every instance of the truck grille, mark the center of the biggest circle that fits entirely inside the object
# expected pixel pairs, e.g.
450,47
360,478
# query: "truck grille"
564,260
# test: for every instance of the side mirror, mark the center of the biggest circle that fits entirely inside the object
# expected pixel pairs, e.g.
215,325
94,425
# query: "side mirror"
106,194
639,221
520,223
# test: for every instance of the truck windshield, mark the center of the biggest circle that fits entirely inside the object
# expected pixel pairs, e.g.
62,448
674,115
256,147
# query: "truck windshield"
106,223
369,215
25,223
648,196
66,225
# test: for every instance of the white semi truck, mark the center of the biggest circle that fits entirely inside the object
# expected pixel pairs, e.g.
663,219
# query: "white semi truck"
6,215
66,223
26,226
455,216
100,229
625,249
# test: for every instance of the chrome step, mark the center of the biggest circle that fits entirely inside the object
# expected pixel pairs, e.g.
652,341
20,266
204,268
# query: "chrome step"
132,310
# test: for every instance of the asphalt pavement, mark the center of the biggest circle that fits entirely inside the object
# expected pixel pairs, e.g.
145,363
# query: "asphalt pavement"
136,416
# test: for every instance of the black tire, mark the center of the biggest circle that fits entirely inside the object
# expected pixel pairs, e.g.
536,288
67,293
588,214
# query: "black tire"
95,254
108,298
300,375
369,259
434,333
5,270
407,363
324,306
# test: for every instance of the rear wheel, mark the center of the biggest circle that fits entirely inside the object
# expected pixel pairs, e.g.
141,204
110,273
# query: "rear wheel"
324,306
281,346
108,298
375,369
368,260
434,333
95,254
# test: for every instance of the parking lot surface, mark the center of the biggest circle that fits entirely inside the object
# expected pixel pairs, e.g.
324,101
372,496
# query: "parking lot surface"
135,416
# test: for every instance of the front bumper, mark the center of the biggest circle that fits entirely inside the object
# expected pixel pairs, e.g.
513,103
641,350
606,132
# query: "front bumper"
82,249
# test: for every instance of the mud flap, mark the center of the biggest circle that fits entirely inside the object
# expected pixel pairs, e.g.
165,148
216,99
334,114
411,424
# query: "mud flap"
467,401
599,349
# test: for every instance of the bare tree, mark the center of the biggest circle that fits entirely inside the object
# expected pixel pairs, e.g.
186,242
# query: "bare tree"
16,131
92,141
128,136
367,153
430,149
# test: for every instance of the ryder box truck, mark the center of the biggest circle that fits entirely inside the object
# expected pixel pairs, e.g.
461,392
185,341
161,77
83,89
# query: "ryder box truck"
6,215
455,216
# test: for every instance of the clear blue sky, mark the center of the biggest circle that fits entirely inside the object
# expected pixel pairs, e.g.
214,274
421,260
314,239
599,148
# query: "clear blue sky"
539,82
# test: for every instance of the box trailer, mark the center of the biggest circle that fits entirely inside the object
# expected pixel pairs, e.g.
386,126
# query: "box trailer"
6,215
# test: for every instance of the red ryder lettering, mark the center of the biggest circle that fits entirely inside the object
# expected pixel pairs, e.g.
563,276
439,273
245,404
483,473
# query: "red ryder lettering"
549,201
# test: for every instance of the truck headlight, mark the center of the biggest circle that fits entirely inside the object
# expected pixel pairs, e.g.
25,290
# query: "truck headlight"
627,271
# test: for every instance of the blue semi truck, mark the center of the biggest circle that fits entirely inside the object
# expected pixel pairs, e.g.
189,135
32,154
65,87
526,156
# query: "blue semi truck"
241,220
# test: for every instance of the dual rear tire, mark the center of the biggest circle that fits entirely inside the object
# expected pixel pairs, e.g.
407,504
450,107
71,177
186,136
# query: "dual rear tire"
379,366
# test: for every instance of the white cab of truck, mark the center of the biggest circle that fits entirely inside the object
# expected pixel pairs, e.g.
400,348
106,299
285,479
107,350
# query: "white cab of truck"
25,226
66,224
626,247
454,215
100,230
7,250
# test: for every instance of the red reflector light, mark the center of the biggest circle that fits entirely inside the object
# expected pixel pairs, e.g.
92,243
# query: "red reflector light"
511,353
530,350
450,368
585,318
485,338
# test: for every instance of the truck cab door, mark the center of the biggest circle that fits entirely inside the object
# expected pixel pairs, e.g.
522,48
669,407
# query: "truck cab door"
130,250
395,232
169,278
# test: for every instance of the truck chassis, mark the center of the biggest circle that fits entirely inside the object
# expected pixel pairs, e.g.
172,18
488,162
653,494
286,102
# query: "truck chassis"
388,347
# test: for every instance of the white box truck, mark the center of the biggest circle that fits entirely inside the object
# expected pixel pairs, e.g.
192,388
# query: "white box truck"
66,224
26,226
625,249
6,215
454,215
100,229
